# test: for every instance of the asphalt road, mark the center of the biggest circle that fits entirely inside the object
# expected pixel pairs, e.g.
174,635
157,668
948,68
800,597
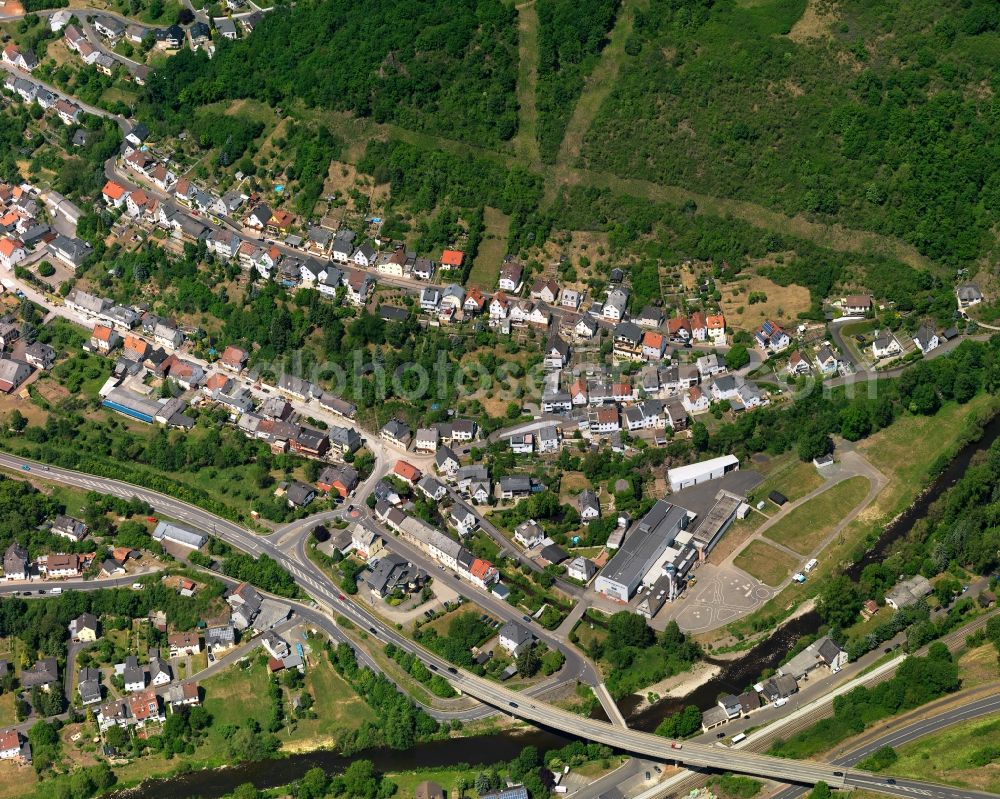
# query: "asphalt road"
911,732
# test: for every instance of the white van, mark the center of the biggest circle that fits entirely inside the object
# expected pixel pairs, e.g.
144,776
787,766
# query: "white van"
740,737
780,702
55,591
811,565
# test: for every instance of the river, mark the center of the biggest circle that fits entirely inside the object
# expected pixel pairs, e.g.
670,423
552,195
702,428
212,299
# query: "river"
735,676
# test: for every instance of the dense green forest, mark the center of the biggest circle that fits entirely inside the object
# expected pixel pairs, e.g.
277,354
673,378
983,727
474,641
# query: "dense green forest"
449,68
887,121
570,37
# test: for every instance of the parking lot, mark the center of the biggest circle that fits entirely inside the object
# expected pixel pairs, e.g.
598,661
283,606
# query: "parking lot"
720,595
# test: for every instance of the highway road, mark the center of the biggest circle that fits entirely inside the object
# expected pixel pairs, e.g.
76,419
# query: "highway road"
517,704
904,735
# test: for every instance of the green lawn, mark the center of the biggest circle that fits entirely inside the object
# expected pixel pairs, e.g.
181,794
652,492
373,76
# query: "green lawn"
946,756
768,564
908,447
790,476
447,778
7,714
228,698
492,249
805,527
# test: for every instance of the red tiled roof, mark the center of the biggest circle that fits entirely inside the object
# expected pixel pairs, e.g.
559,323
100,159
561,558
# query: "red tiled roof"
452,258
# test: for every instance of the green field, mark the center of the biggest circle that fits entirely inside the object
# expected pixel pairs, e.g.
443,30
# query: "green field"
804,528
486,268
337,707
789,476
768,564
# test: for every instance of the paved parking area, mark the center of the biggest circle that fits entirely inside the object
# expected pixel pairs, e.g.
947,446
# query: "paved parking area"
721,595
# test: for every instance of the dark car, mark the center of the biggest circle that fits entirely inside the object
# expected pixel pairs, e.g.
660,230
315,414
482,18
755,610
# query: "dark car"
432,667
373,630
838,774
513,704
720,735
453,670
890,781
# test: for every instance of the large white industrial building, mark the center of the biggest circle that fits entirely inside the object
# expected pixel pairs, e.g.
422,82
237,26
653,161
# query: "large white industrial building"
687,476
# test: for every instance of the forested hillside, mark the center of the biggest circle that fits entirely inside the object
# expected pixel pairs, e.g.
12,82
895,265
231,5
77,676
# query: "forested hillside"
881,115
570,36
449,68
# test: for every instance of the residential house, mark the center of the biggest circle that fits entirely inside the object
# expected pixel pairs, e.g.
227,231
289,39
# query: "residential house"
364,256
650,316
616,305
12,252
145,709
516,486
529,534
771,338
514,638
184,644
695,400
69,113
423,268
397,433
406,472
463,518
679,329
12,374
628,342
589,506
183,695
343,246
522,443
569,298
586,327
84,627
547,439
716,324
797,365
654,345
968,295
857,305
545,290
40,355
908,592
446,462
711,365
827,362
430,298
822,653
298,494
581,568
88,684
114,194
885,345
926,339
426,439
72,252
452,259
61,565
604,421
42,674
511,276
699,326
557,353
133,674
70,528
340,478
16,563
